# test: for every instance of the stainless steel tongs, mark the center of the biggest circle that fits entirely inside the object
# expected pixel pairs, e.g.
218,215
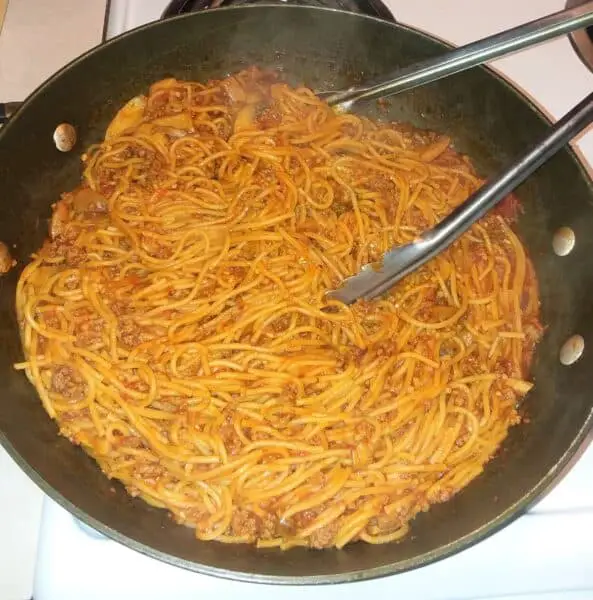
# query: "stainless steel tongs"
371,281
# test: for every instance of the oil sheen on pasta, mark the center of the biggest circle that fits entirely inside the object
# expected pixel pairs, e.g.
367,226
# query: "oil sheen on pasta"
175,323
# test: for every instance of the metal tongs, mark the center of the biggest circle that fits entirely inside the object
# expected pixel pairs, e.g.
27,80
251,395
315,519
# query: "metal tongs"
373,281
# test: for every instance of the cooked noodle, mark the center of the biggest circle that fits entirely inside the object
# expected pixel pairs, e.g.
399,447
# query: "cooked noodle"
176,324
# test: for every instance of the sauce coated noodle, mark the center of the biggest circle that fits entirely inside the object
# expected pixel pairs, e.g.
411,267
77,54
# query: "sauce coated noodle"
175,323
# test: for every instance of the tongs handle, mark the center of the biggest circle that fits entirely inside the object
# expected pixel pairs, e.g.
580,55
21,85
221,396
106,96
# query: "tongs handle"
402,260
470,55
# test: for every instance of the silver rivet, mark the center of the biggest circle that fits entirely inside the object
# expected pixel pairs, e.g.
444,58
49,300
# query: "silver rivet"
572,349
563,241
65,137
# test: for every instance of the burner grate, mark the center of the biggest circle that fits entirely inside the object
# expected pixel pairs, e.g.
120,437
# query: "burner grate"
373,8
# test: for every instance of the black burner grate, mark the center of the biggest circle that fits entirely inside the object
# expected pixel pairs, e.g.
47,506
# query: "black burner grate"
374,8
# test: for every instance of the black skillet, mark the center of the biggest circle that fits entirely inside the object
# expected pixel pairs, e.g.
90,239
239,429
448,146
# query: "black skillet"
487,119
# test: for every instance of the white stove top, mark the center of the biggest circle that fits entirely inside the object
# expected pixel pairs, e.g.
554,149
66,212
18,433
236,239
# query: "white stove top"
545,554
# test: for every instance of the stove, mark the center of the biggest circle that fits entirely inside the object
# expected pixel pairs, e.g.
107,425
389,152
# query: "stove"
546,553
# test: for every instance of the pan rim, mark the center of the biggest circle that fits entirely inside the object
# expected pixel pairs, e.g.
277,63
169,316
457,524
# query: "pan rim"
518,508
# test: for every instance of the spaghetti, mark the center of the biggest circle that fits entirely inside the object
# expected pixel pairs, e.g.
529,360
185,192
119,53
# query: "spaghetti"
176,326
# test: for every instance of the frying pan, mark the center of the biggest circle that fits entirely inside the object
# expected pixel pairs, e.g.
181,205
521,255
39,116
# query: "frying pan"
486,117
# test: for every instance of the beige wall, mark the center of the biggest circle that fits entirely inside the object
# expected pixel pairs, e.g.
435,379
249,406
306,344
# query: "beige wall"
40,36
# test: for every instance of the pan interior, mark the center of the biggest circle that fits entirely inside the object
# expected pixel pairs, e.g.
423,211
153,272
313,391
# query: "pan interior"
323,49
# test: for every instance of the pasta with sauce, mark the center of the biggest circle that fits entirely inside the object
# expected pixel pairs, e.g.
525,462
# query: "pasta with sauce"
175,323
